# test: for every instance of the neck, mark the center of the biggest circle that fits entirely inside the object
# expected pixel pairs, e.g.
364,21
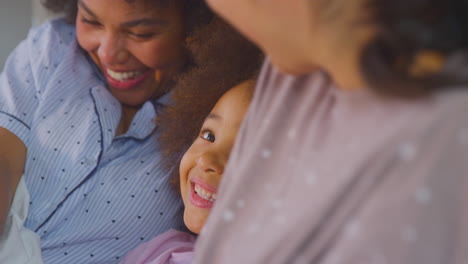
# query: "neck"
343,60
346,74
344,34
128,113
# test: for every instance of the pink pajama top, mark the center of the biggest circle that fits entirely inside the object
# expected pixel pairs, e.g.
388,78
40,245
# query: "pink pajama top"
171,247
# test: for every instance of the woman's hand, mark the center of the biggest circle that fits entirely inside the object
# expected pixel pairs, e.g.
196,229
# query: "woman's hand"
12,160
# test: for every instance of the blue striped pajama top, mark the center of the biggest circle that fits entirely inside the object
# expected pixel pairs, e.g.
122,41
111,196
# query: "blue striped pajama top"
94,196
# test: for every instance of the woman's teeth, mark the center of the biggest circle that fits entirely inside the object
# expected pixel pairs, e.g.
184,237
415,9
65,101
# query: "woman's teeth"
123,76
205,194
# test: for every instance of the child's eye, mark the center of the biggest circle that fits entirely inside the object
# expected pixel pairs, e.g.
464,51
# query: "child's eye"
208,135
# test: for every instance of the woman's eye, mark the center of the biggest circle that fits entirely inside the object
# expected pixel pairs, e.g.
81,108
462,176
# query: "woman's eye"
143,36
207,135
90,22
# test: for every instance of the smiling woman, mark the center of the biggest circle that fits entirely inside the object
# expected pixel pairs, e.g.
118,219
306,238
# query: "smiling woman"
138,46
79,100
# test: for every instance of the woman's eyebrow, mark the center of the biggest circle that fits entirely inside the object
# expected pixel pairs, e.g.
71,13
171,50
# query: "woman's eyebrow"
144,22
132,23
86,8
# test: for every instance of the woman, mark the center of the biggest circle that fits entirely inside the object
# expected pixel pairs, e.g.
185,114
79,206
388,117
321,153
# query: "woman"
76,116
361,157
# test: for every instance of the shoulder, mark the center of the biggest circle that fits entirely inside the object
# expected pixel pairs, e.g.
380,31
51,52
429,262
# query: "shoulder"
51,47
449,109
429,138
271,76
276,86
51,41
53,30
451,121
276,90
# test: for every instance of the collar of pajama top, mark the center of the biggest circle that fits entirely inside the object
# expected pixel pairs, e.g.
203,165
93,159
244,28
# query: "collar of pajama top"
94,196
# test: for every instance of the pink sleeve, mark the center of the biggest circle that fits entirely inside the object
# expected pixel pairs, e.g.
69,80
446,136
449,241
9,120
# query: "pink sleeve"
171,247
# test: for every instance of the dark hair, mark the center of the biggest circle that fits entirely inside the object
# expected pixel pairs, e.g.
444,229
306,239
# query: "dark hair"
221,59
409,29
196,10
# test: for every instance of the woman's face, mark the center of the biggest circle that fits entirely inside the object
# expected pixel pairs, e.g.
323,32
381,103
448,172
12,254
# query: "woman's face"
202,166
136,44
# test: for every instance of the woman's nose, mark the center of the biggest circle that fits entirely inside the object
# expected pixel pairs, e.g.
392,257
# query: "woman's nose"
211,163
112,50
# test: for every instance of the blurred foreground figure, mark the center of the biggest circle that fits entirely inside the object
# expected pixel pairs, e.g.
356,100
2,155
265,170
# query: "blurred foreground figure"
355,148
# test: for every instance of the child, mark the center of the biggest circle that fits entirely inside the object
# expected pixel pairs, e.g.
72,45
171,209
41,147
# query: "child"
361,156
222,59
78,100
201,170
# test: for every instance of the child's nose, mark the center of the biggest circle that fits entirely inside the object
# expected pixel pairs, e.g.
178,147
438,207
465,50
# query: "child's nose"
211,163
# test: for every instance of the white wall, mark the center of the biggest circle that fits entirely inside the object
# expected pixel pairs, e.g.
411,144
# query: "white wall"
39,13
15,21
16,18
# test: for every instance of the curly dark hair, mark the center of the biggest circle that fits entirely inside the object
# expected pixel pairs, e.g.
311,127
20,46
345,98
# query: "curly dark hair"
222,58
196,10
407,29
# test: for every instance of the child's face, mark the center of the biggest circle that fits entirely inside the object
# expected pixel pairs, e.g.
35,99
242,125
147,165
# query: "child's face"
202,166
133,42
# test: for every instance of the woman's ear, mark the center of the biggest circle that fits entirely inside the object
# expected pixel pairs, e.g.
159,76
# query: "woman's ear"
426,62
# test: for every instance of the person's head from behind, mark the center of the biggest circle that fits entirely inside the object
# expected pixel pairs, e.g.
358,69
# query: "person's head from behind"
202,166
397,47
137,44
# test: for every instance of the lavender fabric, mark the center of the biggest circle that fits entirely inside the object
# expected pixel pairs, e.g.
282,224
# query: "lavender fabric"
171,247
325,176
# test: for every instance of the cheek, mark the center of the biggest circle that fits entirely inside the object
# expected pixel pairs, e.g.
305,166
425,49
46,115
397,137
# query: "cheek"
184,168
86,39
160,53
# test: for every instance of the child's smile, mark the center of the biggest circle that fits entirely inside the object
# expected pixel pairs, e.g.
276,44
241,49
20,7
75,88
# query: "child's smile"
202,194
202,166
